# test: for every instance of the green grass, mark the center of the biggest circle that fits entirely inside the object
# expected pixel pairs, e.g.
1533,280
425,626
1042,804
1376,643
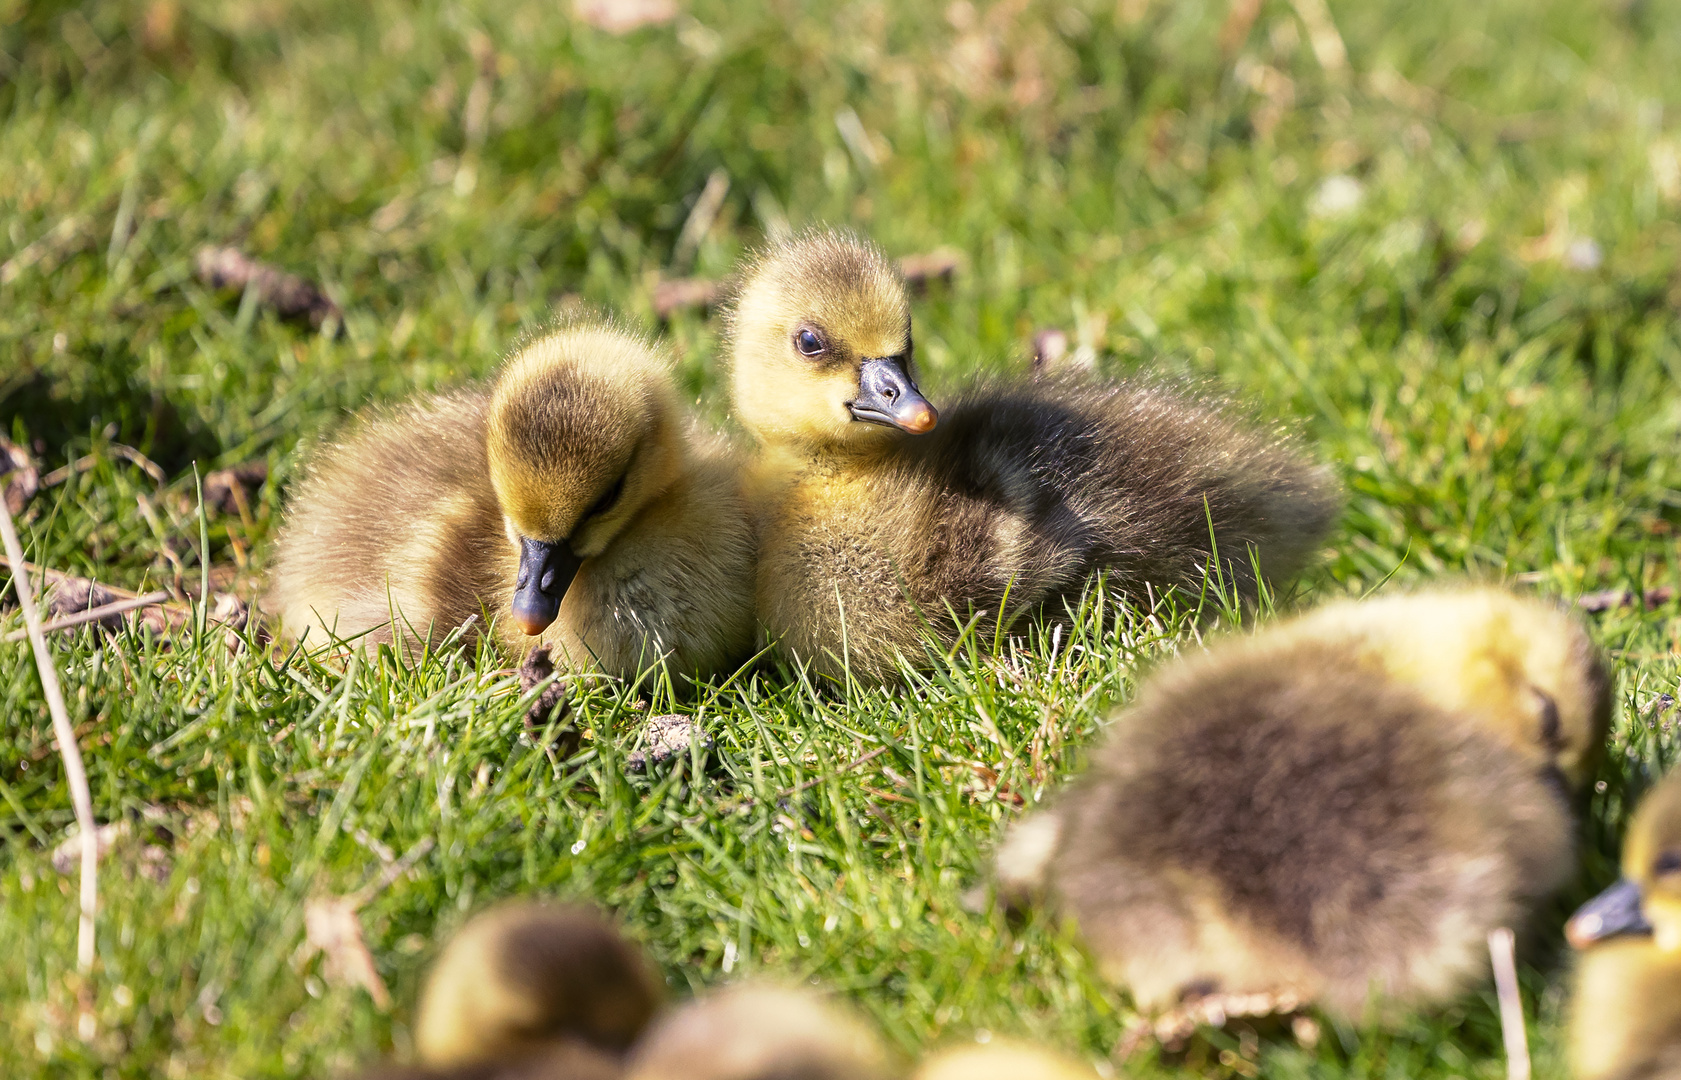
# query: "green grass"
452,171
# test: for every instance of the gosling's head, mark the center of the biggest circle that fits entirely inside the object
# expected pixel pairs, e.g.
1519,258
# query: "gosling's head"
1524,666
822,356
523,978
1647,901
583,433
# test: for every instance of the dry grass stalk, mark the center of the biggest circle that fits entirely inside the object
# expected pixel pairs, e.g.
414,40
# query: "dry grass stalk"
65,735
1500,949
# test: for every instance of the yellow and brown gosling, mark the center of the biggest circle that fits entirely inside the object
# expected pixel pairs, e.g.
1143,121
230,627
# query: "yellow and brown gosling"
522,978
881,517
1001,1059
571,504
1334,811
1626,1015
760,1032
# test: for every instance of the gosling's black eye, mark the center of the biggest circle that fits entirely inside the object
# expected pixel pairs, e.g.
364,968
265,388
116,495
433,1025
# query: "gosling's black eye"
1667,863
808,342
605,503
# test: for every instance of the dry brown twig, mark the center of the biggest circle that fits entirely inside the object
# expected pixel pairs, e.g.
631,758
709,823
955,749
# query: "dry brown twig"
291,296
88,461
75,774
78,601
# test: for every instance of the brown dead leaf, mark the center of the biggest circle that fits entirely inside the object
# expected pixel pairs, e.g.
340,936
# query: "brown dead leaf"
623,16
682,294
941,264
1615,598
333,929
226,489
291,296
19,478
1050,346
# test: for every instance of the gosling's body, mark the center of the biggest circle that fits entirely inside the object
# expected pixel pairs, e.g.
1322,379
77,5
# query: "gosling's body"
1011,504
412,526
760,1032
1001,1059
1019,493
1626,1012
1310,815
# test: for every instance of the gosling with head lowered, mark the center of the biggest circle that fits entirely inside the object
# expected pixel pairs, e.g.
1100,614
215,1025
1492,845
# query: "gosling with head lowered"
881,517
1626,1014
569,504
1335,811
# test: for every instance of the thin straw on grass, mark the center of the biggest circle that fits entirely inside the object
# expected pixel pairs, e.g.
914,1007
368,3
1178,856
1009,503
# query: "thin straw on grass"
1500,949
65,735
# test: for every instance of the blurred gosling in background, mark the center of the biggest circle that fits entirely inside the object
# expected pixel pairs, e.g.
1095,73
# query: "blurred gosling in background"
1336,809
522,977
877,511
571,504
761,1032
1001,1059
1626,1016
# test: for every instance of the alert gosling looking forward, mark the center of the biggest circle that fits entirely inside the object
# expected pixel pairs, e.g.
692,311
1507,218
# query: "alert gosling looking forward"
881,517
1626,1015
570,503
1335,810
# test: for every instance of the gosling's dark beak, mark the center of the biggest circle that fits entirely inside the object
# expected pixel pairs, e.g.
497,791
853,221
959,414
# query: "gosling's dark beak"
886,395
545,570
1614,911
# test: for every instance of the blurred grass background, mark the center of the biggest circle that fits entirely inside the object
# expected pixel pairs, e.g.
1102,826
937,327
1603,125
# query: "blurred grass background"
1439,238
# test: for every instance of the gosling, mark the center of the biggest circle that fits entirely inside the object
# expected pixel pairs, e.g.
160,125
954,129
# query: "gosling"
569,504
1001,1059
761,1032
523,977
880,519
1334,811
1626,1017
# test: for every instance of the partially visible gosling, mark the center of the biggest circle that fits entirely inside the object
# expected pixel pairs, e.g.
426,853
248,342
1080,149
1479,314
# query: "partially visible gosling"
570,504
1001,1059
760,1033
1336,809
526,982
881,517
1626,1016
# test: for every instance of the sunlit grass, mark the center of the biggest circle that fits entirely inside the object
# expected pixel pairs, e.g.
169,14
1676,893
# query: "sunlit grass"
1391,258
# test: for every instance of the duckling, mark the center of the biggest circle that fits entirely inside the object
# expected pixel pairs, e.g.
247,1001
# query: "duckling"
1001,1059
1333,811
528,980
566,504
1626,1016
561,1061
881,517
758,1032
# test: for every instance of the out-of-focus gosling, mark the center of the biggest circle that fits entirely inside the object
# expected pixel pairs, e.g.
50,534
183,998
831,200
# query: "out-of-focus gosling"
524,982
1626,1016
760,1033
1001,1059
